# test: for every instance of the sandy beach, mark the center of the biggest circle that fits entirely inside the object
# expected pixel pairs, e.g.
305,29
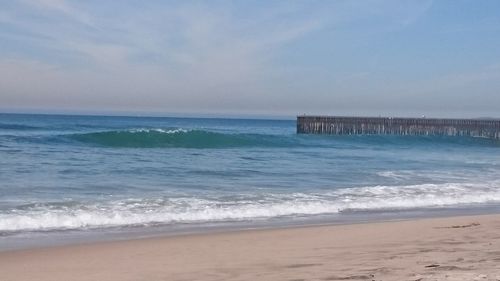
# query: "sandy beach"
457,248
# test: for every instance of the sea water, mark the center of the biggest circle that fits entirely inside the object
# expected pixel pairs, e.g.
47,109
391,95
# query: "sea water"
92,173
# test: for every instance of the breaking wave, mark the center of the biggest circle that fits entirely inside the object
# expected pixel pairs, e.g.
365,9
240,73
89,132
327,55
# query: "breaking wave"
165,210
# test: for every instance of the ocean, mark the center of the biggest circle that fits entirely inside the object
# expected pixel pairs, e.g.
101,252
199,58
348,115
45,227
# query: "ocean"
89,176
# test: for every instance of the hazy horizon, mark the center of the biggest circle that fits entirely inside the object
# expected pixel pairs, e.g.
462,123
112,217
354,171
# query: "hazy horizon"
241,59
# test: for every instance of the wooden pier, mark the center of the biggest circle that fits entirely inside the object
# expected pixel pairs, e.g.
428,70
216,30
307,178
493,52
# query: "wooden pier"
487,128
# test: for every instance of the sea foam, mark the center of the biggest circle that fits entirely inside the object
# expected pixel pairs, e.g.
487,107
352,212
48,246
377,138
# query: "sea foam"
165,210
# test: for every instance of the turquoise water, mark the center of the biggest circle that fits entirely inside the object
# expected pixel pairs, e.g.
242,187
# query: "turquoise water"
60,173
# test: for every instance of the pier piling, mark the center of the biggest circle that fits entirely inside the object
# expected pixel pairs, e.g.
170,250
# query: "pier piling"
337,125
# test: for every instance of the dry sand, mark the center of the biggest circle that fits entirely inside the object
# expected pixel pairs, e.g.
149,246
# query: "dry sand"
458,248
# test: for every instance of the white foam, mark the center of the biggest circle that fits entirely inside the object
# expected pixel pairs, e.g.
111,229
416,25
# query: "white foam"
396,175
185,210
163,131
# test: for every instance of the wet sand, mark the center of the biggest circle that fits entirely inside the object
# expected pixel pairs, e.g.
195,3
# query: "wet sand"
456,248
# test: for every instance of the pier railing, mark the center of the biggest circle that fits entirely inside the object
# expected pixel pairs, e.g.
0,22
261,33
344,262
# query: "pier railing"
398,126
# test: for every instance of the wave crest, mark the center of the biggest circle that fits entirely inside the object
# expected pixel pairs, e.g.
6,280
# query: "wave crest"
181,138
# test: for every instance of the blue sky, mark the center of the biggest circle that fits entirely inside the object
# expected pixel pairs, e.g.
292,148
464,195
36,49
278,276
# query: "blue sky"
407,58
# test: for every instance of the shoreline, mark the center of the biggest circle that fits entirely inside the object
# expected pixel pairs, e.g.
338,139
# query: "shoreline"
57,238
460,247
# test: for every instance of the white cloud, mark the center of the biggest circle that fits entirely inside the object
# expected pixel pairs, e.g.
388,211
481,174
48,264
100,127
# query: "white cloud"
62,7
170,54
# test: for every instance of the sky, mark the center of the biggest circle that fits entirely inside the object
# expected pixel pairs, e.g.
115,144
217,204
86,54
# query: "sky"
273,58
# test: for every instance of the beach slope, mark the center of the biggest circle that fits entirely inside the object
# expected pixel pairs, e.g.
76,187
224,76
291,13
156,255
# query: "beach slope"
457,248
